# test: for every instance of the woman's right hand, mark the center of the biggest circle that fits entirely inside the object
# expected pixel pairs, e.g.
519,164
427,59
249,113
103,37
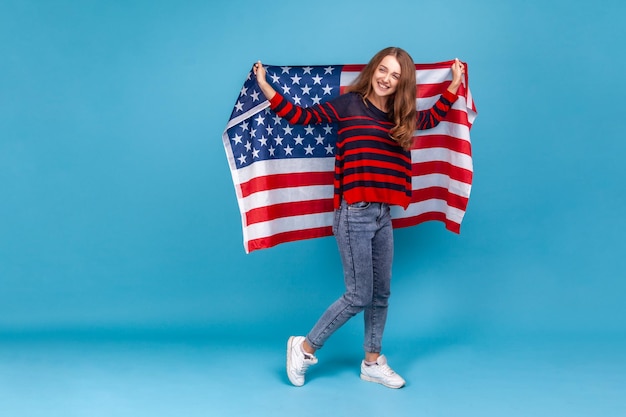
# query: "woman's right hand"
260,73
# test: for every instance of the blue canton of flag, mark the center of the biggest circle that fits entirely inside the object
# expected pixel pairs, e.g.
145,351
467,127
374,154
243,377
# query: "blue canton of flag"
266,136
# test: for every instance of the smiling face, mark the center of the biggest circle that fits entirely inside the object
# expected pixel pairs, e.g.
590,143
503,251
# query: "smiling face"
385,79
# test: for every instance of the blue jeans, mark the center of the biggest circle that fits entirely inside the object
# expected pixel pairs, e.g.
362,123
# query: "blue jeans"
365,238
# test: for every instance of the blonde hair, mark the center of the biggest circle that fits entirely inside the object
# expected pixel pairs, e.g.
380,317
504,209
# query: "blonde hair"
402,110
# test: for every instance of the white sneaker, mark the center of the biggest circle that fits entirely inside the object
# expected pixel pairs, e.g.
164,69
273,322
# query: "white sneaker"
381,373
297,362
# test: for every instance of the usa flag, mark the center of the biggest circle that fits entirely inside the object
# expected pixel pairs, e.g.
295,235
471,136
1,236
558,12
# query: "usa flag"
283,174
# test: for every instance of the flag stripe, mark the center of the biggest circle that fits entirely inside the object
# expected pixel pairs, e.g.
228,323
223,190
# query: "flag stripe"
284,237
269,182
288,209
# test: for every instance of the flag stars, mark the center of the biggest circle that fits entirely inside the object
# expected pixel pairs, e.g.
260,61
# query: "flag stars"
266,135
237,138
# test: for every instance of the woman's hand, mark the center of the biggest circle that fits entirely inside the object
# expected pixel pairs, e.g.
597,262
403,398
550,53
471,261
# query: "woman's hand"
458,69
260,73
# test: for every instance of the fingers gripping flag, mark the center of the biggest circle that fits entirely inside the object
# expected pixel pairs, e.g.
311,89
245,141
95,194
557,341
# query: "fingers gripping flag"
283,174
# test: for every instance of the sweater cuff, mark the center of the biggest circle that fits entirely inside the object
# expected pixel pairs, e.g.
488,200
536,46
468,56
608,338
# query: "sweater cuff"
451,97
276,100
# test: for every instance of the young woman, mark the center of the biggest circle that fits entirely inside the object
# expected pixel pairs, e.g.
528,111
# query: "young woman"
376,120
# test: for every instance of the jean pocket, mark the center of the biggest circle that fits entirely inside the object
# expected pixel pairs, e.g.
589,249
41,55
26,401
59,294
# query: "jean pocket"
361,205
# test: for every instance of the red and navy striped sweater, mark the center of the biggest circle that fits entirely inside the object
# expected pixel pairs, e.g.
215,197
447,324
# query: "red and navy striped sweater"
369,164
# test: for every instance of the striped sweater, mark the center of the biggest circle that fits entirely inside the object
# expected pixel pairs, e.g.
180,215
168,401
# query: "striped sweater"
369,164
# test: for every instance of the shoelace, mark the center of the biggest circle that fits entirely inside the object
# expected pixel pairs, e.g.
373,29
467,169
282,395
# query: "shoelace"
306,363
385,369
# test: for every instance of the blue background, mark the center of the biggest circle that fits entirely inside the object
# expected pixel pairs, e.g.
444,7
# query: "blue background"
118,218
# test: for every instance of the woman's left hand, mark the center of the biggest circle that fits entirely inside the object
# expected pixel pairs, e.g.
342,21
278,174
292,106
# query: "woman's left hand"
458,69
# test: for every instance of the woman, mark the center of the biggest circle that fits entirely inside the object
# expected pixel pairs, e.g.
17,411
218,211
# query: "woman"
376,120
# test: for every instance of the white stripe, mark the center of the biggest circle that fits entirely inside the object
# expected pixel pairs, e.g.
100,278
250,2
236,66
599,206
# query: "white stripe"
287,195
455,130
285,166
433,76
457,159
288,224
347,77
441,180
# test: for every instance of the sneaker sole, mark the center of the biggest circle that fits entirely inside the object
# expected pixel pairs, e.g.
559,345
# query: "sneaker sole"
289,347
378,381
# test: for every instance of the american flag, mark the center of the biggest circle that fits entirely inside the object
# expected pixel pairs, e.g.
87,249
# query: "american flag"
283,174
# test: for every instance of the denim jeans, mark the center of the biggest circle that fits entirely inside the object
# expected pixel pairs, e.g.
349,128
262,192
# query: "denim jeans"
365,238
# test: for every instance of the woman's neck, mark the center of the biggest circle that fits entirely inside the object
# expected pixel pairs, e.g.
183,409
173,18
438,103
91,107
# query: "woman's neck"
379,102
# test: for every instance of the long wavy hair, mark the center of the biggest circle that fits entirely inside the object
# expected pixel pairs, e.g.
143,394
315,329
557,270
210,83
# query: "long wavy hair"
402,109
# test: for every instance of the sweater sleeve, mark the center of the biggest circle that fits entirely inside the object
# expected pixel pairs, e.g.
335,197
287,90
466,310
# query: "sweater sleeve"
297,115
427,119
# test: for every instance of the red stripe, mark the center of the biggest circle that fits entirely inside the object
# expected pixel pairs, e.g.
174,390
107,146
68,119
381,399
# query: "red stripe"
442,167
443,141
425,217
432,90
354,68
296,208
278,238
437,65
457,116
297,179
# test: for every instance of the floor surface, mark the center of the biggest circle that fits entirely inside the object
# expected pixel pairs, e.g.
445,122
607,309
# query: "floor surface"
204,376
